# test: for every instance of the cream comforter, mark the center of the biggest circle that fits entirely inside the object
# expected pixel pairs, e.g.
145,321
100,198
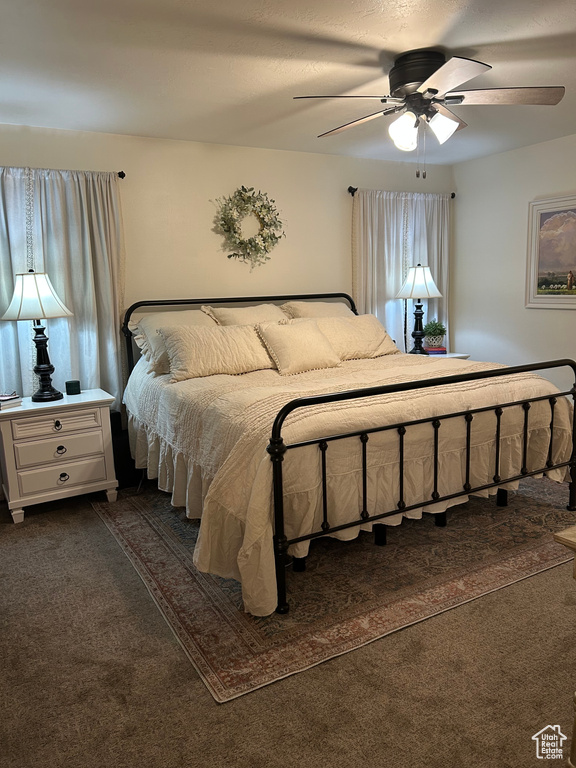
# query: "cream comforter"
205,440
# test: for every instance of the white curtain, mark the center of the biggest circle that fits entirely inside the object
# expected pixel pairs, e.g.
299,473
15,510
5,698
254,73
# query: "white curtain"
392,231
68,224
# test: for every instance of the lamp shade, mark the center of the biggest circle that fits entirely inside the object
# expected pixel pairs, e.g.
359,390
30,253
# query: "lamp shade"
419,284
443,127
404,132
34,298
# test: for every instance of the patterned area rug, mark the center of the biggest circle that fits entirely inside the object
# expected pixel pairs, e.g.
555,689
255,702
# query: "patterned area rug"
351,594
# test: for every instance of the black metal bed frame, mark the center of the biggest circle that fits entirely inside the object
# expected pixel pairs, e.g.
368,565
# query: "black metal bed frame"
277,448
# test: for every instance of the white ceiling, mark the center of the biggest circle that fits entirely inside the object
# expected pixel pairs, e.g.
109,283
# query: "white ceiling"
225,71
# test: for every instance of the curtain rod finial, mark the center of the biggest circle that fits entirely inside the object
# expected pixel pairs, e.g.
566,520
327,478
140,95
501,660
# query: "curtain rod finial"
121,174
352,190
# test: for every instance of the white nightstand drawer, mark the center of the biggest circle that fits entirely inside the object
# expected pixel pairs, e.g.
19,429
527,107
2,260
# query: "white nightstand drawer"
59,423
61,448
62,476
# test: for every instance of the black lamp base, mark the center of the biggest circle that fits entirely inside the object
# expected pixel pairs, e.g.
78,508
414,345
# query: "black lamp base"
418,332
43,369
46,395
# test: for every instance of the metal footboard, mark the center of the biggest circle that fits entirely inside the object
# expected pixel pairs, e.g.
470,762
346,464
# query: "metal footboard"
277,449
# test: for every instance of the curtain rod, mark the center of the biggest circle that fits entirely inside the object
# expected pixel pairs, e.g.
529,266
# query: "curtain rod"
353,191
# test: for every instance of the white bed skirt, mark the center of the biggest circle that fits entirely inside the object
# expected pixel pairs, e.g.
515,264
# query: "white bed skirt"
175,472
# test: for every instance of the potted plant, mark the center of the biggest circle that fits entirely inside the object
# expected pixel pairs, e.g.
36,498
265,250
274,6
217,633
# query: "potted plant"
434,332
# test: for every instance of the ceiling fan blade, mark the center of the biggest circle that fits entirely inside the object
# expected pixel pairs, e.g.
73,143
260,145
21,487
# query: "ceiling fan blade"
448,113
383,99
545,95
455,72
359,121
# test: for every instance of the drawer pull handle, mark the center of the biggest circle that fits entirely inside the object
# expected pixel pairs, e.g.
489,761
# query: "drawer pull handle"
57,425
64,477
61,449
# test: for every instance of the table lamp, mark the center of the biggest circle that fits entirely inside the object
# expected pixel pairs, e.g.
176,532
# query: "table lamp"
418,285
34,297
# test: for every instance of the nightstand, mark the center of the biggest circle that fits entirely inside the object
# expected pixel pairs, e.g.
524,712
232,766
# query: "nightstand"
461,355
55,450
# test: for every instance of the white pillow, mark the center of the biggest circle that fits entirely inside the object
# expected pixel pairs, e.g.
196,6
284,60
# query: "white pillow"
298,346
195,352
357,338
317,309
152,344
261,313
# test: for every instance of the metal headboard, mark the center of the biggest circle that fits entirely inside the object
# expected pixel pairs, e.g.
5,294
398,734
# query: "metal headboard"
227,300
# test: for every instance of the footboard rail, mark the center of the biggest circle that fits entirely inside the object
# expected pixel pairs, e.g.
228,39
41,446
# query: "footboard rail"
277,449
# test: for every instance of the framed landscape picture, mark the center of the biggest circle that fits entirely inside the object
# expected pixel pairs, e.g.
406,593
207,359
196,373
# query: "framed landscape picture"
551,264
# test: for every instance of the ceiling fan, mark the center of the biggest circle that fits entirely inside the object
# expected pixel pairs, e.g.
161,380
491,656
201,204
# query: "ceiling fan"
421,88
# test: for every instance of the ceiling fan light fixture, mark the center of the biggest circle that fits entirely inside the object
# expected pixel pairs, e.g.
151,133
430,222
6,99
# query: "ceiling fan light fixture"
423,86
404,132
443,127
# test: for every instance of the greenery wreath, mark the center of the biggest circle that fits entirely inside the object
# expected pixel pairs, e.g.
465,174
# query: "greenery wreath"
232,210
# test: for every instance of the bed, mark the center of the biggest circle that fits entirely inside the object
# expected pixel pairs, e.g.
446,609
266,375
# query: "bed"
279,419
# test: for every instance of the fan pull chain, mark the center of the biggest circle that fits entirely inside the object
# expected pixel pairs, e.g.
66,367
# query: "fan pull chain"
418,153
424,151
421,132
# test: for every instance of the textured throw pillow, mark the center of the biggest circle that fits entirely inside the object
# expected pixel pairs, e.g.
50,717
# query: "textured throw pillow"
317,309
297,346
261,313
196,352
152,344
357,338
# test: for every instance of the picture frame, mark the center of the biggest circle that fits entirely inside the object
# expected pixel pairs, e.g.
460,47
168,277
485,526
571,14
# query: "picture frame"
551,259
